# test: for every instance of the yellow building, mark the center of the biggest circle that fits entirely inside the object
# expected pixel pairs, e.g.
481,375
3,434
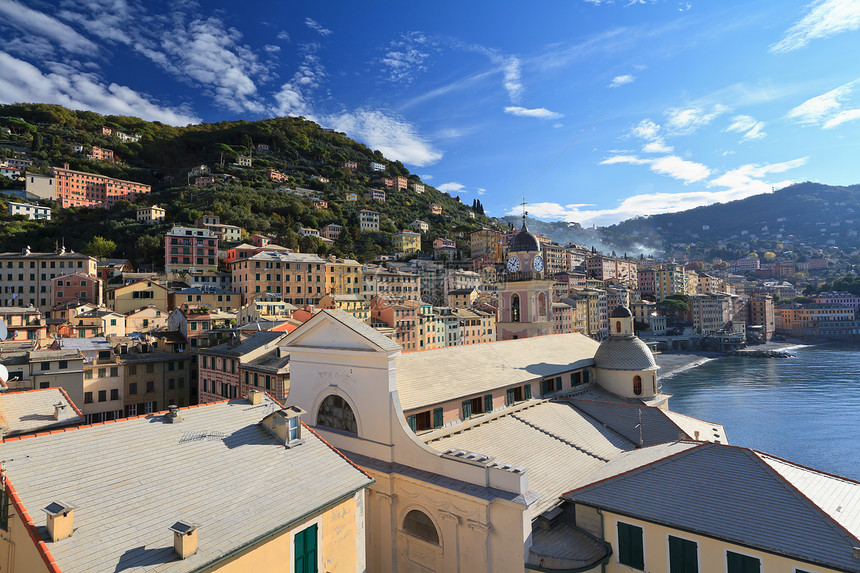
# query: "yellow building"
150,214
139,294
670,279
487,242
343,276
206,297
296,278
406,242
98,322
223,497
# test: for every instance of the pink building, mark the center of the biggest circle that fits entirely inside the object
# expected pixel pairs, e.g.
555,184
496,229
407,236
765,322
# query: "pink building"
387,181
190,247
331,231
204,181
845,298
101,154
376,195
276,175
400,183
76,287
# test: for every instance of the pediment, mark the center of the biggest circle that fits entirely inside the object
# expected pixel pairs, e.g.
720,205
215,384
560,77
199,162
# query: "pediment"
336,329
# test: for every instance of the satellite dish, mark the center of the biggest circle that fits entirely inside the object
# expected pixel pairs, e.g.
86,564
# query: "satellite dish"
4,332
4,374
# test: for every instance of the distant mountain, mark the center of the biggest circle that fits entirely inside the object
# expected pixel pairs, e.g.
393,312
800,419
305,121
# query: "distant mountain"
812,214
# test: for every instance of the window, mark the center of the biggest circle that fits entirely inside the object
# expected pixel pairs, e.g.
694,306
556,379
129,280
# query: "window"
150,386
150,368
88,397
637,385
114,371
88,374
514,395
575,378
631,551
132,388
417,523
114,394
550,385
515,308
335,413
737,563
527,392
683,555
305,549
102,395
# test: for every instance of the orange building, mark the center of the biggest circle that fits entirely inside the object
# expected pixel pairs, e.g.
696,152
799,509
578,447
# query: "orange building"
80,189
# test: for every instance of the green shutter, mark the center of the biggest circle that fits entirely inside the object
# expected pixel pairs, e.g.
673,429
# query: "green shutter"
631,551
683,555
510,398
558,384
488,403
585,376
737,563
306,550
438,418
527,391
413,423
467,409
544,387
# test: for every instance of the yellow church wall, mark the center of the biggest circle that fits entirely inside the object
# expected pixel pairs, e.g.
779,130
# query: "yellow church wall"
712,552
340,539
18,553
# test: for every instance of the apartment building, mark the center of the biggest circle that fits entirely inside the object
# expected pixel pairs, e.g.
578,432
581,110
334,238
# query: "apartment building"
24,323
32,212
75,286
710,312
343,277
331,232
208,297
406,242
145,319
80,189
368,220
554,258
98,322
761,313
154,378
150,214
296,278
220,368
138,294
102,378
26,277
606,268
487,243
845,298
101,154
376,194
400,183
190,248
378,281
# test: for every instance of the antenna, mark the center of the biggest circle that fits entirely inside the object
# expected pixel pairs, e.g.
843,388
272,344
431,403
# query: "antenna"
639,425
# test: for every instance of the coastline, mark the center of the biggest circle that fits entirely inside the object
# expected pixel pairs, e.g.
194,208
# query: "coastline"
672,363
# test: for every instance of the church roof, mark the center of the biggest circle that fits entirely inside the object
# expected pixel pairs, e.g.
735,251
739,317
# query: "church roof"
524,241
621,312
624,353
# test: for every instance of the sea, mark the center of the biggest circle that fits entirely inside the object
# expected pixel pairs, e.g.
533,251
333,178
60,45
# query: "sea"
804,409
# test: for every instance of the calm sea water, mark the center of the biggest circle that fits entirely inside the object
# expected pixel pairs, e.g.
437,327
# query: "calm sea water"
805,409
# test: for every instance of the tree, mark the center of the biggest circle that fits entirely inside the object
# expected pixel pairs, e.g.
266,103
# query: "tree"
99,247
149,248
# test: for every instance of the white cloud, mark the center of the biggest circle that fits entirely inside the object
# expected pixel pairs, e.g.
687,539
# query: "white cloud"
739,183
539,112
294,96
394,137
39,24
824,18
827,110
657,146
22,81
283,35
406,57
314,25
630,159
481,190
427,177
272,49
452,187
684,121
748,126
618,81
670,165
513,80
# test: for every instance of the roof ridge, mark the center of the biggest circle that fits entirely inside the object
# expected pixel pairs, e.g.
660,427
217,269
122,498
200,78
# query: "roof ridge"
559,438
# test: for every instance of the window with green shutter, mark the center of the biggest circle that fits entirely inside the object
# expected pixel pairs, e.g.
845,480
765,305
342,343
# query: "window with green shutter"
631,549
438,418
413,422
510,397
544,387
467,409
488,403
585,376
527,391
737,563
683,555
305,549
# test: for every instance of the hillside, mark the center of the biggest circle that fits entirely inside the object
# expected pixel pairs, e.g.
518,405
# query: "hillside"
312,157
806,214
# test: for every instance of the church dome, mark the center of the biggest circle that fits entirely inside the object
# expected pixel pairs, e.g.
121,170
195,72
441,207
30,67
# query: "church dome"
628,353
621,312
524,241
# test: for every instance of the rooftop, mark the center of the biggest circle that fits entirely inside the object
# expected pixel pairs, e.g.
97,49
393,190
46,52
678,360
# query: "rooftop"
215,469
33,411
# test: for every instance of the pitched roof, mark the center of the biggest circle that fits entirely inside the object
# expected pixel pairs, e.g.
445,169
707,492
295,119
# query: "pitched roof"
250,344
33,410
757,501
435,376
216,468
636,422
347,319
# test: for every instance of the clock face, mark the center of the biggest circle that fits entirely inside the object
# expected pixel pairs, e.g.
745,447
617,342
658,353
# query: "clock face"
538,263
513,264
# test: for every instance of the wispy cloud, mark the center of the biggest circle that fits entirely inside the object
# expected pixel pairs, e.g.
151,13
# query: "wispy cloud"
22,81
394,137
406,57
748,126
451,187
538,112
740,183
481,190
513,78
649,131
272,48
314,25
669,165
294,97
657,146
619,81
41,25
283,35
686,120
824,18
826,110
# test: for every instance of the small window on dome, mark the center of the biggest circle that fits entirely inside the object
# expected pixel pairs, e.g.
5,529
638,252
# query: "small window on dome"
637,385
618,326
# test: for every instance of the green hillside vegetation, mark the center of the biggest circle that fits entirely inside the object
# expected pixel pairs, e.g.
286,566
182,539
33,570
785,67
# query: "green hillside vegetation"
162,158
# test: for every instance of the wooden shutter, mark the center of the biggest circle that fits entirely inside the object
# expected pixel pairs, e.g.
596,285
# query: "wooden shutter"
438,418
488,403
544,387
413,423
683,556
510,397
305,550
527,391
631,551
467,409
737,563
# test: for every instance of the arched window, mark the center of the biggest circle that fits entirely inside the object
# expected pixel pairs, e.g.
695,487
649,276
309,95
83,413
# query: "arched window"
637,385
336,414
618,326
515,308
542,305
418,524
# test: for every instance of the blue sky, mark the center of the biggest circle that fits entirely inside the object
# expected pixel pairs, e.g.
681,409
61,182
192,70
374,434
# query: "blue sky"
593,110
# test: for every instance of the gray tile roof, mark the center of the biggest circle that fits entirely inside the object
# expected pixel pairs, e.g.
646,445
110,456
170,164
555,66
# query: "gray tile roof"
84,344
33,411
557,445
624,354
656,427
740,496
357,326
131,480
250,344
444,374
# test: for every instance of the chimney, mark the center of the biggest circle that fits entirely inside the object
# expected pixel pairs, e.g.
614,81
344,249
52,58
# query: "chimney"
255,397
60,520
173,416
184,539
60,414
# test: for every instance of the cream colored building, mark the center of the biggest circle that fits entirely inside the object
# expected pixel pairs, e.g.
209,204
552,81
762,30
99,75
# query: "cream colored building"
406,242
136,295
25,276
150,214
